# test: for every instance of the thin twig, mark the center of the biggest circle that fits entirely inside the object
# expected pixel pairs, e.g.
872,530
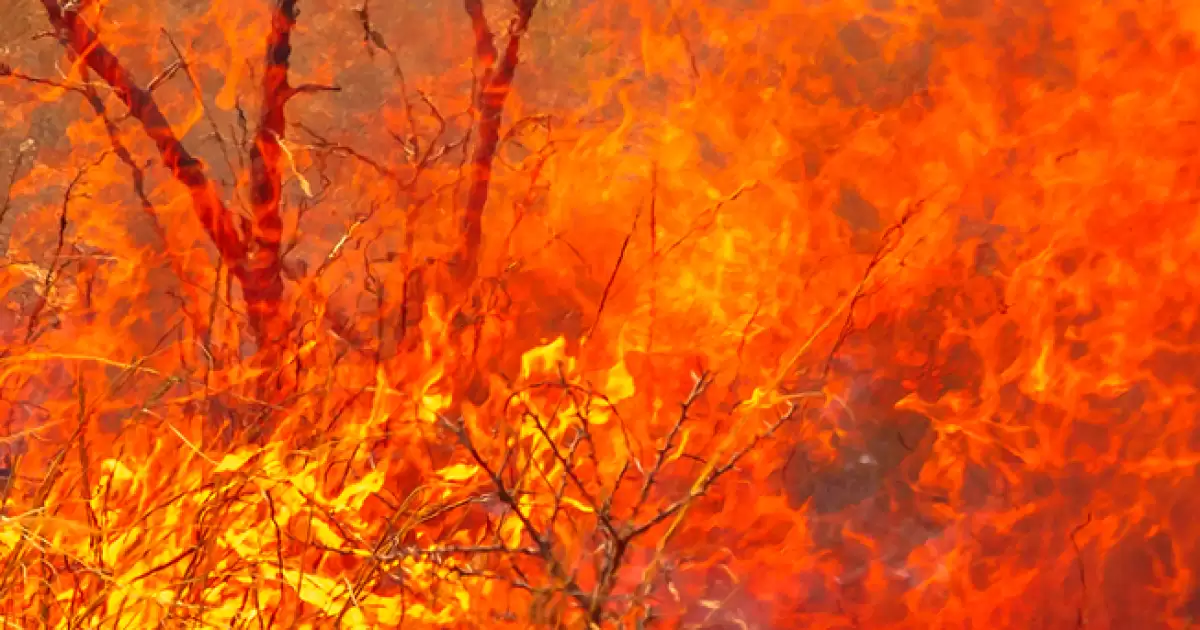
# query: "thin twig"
198,94
700,384
888,242
53,267
544,550
25,149
612,277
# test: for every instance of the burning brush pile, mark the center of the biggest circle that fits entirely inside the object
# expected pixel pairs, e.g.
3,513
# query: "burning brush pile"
564,313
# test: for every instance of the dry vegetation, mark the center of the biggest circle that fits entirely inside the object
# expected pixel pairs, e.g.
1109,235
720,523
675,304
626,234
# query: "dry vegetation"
328,313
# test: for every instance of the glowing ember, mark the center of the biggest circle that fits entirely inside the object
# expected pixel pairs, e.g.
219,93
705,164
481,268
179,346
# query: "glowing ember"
758,314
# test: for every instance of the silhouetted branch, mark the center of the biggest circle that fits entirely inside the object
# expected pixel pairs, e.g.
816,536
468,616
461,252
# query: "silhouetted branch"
322,143
887,244
612,277
700,384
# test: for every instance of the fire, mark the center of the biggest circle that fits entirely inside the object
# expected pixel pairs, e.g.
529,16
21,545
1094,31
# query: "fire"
580,314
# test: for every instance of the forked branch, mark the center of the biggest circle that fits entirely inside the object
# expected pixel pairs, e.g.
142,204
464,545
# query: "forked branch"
186,168
255,259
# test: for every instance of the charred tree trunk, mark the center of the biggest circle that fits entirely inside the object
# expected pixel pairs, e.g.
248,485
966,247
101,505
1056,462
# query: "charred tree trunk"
495,81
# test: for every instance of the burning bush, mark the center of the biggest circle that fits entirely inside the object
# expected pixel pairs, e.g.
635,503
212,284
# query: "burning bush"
583,314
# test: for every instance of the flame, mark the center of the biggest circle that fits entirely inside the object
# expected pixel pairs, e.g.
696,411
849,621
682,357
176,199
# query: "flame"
782,314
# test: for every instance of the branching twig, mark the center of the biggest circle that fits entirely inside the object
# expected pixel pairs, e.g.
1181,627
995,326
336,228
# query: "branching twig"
545,551
714,471
701,383
568,465
53,267
199,96
888,243
323,143
255,264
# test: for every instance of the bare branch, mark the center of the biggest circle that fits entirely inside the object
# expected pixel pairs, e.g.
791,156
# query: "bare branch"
887,244
212,123
612,277
544,549
54,267
700,385
325,144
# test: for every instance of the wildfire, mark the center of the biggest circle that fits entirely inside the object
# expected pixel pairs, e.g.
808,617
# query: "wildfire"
561,313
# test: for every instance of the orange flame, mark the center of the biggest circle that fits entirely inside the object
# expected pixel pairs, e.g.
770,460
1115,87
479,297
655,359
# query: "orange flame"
583,314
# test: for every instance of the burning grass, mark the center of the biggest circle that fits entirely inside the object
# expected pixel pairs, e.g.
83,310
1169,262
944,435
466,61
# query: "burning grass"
571,314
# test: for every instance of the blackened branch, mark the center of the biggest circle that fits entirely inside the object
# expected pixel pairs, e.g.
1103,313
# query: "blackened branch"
26,150
91,94
94,99
888,244
198,94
